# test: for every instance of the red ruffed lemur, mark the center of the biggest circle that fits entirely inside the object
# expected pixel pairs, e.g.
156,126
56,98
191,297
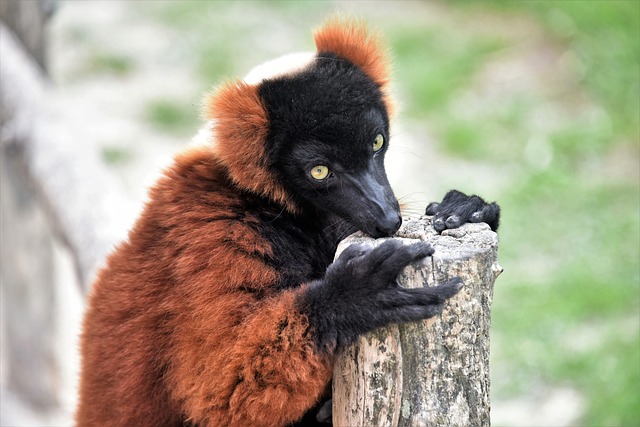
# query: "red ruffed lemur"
223,307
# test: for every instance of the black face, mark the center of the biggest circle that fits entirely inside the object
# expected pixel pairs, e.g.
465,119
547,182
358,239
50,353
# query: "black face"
328,137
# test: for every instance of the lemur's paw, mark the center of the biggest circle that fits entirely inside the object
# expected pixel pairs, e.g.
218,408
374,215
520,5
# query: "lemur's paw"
457,208
360,292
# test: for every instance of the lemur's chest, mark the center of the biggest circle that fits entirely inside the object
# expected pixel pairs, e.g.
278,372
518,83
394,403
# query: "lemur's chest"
302,250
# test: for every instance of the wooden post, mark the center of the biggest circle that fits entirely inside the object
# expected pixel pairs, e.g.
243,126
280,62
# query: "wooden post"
434,372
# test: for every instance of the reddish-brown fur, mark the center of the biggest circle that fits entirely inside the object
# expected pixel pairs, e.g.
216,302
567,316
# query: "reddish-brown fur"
185,321
352,41
170,332
241,127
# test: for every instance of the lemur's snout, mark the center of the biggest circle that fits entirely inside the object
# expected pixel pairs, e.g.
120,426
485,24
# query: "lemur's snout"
389,224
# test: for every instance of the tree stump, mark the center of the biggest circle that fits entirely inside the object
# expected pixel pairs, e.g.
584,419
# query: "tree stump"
434,372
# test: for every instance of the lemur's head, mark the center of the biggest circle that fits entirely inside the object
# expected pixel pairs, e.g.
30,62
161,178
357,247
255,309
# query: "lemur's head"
311,130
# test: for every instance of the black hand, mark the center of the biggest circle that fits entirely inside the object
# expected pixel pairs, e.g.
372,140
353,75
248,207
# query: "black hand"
359,293
457,208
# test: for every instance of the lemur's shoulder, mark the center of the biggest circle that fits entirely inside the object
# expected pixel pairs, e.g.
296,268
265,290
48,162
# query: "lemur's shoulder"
196,223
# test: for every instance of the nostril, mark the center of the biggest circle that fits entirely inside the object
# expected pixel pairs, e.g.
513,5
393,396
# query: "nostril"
388,228
383,232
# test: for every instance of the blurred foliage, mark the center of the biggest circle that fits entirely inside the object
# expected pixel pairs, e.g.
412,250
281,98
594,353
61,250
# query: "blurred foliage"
172,116
604,41
576,216
562,129
434,82
109,63
115,155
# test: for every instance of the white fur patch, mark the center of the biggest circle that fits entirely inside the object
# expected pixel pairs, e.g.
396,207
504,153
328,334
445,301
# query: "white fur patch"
282,66
205,135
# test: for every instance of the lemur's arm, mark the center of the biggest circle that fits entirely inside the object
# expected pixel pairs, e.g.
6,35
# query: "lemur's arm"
278,373
276,361
240,351
457,208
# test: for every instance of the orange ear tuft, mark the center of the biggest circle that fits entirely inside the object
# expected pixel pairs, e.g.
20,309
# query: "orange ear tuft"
350,39
241,126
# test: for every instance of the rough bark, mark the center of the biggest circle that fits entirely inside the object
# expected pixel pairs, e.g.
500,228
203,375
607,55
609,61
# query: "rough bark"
434,372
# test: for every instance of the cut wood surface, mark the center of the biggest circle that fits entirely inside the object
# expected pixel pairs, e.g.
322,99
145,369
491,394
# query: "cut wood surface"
434,372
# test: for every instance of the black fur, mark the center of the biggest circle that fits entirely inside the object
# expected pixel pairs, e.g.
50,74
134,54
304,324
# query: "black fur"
303,245
457,208
359,293
330,115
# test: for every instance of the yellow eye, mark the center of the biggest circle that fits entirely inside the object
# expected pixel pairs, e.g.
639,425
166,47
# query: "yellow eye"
319,172
378,142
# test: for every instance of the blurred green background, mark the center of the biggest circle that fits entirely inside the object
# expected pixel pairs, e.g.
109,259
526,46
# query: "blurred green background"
534,104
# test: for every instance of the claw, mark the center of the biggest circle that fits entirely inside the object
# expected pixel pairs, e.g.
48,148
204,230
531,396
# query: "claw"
453,221
422,250
476,216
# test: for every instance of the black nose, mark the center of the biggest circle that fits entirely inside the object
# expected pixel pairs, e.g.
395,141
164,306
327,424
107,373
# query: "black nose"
388,225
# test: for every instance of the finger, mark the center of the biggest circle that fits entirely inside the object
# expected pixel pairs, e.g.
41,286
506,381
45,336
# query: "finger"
325,412
488,213
453,221
397,297
353,251
383,251
449,288
409,313
477,216
491,215
402,297
439,223
457,213
401,257
451,199
465,209
432,208
446,215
